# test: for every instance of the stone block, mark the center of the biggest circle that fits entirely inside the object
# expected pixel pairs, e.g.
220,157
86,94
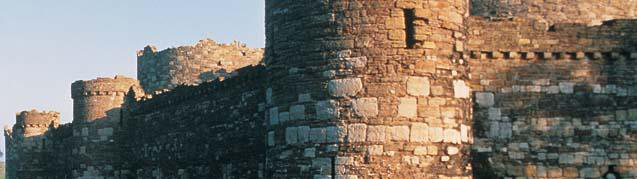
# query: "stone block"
451,136
274,116
420,150
460,89
356,133
284,117
303,134
485,99
435,134
570,172
271,139
418,86
375,150
335,134
399,133
419,132
554,172
309,152
327,109
365,107
426,66
376,133
464,133
408,107
322,165
318,135
589,173
451,150
297,112
344,87
291,135
566,87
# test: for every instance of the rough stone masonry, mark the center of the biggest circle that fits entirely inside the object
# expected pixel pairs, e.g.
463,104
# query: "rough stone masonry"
355,89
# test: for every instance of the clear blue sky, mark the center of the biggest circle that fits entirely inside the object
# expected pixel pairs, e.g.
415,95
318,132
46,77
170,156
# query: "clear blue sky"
46,45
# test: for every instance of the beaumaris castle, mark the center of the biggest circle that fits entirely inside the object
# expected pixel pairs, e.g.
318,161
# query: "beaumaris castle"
364,89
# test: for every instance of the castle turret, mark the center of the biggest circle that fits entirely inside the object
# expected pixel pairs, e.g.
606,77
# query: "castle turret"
97,118
27,150
205,61
367,88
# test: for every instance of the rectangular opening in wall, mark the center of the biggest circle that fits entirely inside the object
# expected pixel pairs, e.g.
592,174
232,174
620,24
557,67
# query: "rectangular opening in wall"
410,30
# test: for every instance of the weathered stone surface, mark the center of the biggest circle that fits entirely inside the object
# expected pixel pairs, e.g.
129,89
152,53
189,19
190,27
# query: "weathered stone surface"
419,132
327,109
460,89
344,87
418,86
356,133
365,107
408,107
485,99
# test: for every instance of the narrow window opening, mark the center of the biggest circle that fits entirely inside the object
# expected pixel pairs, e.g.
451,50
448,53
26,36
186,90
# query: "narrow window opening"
410,30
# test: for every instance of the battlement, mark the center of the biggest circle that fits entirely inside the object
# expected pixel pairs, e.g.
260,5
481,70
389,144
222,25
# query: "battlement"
117,86
189,65
552,55
525,34
589,12
38,119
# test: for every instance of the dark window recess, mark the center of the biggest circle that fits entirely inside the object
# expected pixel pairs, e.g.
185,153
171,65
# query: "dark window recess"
410,30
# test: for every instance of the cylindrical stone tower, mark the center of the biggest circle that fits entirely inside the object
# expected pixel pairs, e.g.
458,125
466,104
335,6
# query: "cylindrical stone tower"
367,89
96,120
26,145
205,61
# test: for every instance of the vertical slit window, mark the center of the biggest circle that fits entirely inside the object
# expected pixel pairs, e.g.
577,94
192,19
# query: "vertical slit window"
410,30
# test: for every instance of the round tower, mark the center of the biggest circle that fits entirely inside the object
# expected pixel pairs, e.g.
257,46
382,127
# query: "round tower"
26,144
205,61
96,120
367,88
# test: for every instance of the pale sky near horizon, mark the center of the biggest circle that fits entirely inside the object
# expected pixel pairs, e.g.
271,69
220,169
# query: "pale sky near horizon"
46,45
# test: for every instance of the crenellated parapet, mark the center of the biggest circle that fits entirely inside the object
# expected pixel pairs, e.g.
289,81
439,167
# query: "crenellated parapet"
190,65
117,86
37,119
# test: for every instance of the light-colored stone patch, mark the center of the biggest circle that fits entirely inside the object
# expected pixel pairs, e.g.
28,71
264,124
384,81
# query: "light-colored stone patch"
451,150
356,133
485,99
408,107
355,62
464,133
376,133
419,132
420,150
327,109
291,135
309,152
304,134
451,136
411,160
274,116
418,86
435,134
399,133
344,160
297,112
375,150
346,177
566,87
344,87
268,95
365,107
460,89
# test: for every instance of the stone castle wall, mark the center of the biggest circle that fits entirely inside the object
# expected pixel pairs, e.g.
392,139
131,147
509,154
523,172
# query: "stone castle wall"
557,103
28,147
364,89
589,12
215,130
205,61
